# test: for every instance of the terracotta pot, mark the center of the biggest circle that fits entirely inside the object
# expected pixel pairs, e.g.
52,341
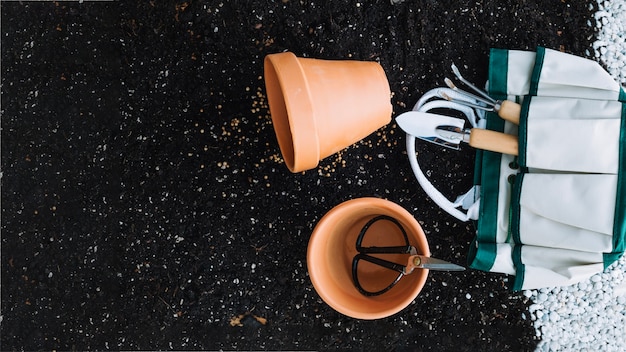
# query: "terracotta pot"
320,107
332,247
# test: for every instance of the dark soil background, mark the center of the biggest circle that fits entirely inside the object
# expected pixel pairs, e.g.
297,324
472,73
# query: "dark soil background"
144,201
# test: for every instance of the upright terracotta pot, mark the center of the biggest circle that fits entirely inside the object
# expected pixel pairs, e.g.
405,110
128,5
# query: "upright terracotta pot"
332,247
320,107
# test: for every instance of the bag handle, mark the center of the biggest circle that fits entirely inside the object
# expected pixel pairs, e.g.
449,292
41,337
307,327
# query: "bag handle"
470,200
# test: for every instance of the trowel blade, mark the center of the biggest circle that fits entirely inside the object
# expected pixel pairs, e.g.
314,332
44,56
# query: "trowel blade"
424,125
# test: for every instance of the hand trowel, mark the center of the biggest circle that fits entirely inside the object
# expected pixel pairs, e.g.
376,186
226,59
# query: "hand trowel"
450,132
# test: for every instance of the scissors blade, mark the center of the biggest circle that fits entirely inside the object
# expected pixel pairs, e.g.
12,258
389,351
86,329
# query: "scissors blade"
422,262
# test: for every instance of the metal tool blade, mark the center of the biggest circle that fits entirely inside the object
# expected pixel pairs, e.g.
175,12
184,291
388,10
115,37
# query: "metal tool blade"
438,264
423,262
423,125
452,134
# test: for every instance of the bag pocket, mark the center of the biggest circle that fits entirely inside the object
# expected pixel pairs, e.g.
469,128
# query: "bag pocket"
569,211
570,135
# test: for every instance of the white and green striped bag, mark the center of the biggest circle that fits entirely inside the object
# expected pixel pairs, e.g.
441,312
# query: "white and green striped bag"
556,214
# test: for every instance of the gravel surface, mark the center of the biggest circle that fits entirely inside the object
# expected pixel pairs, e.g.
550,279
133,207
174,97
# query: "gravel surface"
145,204
591,315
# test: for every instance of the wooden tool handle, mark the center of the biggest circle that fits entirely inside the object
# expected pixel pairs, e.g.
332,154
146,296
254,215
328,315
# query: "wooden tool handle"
494,141
510,111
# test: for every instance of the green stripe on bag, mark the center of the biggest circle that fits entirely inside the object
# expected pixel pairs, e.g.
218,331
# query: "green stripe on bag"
488,217
520,268
516,195
619,222
534,81
483,251
523,131
514,230
498,69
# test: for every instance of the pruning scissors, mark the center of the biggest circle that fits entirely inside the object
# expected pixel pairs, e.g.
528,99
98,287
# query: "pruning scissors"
414,261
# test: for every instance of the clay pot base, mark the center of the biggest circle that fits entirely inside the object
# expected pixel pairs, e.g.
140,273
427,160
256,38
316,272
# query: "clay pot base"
320,107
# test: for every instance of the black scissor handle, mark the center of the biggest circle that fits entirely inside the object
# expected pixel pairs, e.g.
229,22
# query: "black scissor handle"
384,263
390,250
381,262
386,250
363,255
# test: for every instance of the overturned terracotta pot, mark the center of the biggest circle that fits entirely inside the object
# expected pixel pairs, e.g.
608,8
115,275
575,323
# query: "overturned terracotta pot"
332,248
320,107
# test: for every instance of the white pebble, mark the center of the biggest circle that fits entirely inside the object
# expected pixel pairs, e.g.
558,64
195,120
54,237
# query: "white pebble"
554,317
597,286
596,307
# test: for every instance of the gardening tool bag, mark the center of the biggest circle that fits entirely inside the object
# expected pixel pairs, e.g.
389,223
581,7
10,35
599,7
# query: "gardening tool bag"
555,214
